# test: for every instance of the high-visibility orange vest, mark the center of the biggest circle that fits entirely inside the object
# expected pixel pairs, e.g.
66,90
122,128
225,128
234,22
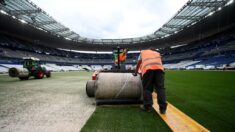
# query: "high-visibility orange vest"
151,60
122,58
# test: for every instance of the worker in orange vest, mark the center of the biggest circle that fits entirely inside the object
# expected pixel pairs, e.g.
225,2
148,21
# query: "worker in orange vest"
122,56
152,71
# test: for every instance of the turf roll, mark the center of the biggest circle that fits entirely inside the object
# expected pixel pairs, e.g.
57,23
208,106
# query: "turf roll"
90,88
118,101
118,86
18,72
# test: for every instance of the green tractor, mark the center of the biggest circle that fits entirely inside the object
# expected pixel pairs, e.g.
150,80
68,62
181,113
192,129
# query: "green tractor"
31,67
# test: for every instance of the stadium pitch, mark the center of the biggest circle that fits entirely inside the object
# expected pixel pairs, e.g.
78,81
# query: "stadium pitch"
60,103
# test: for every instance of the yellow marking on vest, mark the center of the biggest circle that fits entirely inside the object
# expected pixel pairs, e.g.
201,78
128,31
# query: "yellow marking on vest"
177,120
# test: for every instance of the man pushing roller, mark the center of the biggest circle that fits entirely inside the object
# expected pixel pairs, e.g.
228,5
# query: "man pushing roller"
152,72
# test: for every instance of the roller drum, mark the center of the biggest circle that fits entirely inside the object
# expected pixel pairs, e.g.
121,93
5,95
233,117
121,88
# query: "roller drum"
18,72
90,88
118,86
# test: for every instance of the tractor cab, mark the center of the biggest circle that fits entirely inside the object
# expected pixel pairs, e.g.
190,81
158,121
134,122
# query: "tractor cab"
31,63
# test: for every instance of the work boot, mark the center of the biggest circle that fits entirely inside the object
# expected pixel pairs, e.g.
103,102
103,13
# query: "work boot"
163,109
146,108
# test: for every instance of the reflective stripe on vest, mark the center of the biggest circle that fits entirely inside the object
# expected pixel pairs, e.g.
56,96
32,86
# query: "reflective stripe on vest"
154,63
151,60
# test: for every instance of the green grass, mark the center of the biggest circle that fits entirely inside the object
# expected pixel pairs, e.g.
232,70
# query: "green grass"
206,96
124,119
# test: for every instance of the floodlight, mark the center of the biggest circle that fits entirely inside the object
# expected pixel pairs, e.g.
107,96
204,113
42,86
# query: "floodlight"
211,13
23,21
3,12
230,2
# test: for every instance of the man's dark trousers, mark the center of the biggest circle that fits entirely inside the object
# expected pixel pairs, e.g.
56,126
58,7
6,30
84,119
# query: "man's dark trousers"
154,79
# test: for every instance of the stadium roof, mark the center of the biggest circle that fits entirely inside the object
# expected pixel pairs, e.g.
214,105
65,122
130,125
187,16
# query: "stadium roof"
191,13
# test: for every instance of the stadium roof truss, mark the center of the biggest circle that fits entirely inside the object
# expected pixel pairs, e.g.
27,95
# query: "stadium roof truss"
192,12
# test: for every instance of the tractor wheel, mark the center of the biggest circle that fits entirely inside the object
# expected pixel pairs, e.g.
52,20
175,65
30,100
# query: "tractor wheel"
48,74
39,74
24,78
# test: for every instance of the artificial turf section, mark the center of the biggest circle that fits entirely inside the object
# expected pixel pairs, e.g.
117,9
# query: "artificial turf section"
206,96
